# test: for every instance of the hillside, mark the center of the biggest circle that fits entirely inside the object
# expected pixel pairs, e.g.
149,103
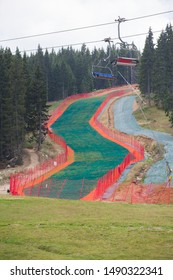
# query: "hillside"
42,228
156,120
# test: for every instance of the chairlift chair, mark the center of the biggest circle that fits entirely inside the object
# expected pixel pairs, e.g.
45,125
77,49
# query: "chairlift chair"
106,74
101,70
125,61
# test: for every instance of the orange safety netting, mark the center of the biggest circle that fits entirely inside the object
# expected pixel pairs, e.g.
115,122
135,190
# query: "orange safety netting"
127,193
135,148
32,176
149,194
124,193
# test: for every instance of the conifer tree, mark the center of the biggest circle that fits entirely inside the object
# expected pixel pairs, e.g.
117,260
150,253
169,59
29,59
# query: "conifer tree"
6,109
168,102
146,67
159,75
18,88
161,71
37,110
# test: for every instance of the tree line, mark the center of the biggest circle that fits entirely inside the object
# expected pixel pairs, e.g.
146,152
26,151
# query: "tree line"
23,105
28,82
156,71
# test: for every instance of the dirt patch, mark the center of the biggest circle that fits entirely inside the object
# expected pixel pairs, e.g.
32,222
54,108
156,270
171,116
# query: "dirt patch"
154,152
31,158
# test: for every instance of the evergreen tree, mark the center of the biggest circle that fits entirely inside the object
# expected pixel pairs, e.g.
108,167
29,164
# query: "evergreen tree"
168,102
146,67
37,109
159,68
18,88
6,109
159,75
66,80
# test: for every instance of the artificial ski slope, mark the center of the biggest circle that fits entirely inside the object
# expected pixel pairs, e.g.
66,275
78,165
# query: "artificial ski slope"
94,155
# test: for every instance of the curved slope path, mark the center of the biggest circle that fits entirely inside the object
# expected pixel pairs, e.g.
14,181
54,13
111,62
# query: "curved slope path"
124,121
94,155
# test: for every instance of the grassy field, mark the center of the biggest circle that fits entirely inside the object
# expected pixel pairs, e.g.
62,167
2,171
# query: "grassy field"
53,105
156,119
40,228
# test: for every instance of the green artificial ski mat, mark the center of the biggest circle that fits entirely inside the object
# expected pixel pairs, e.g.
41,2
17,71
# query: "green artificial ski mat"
94,155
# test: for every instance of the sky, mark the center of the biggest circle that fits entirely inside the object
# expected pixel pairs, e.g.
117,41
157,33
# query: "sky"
20,18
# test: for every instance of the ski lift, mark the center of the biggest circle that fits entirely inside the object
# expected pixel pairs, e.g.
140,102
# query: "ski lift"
104,76
125,61
101,70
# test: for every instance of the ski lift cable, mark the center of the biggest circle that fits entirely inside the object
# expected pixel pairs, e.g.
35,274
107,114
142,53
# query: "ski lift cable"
152,15
78,28
87,43
55,32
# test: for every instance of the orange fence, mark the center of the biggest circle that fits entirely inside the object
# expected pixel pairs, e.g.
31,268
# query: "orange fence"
108,179
30,177
61,188
58,139
136,151
19,181
32,181
69,100
150,194
123,193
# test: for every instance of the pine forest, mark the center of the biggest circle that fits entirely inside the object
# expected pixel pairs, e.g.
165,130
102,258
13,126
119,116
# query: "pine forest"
29,82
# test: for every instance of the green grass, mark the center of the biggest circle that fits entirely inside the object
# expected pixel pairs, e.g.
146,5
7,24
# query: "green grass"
157,120
53,105
40,228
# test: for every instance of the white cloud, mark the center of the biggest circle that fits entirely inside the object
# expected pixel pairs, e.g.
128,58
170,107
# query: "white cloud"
24,17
